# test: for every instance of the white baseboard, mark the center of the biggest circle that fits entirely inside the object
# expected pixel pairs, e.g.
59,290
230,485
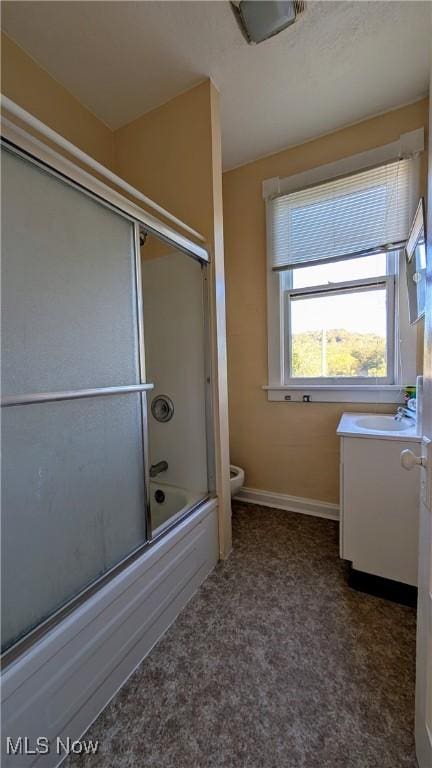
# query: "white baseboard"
289,503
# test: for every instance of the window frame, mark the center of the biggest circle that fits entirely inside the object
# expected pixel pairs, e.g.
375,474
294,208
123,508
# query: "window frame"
290,294
411,145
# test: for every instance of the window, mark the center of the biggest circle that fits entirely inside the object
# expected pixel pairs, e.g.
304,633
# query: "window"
338,321
336,305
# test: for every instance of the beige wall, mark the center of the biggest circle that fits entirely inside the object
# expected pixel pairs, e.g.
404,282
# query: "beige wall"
284,447
30,86
167,153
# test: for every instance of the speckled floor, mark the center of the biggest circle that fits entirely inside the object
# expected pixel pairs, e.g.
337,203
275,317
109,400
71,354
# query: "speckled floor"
275,663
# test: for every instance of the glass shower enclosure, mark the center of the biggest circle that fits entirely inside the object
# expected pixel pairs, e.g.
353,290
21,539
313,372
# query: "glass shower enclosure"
106,442
175,359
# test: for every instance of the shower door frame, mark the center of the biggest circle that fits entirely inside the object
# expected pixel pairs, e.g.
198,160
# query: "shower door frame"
29,148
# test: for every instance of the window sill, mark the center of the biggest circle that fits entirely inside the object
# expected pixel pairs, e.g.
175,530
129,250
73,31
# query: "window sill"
335,393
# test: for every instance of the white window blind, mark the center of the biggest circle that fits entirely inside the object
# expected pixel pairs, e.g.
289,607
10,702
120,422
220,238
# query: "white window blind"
342,217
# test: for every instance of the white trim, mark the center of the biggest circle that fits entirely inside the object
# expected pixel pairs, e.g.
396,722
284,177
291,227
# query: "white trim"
408,145
288,503
275,314
339,287
386,282
335,393
404,335
271,187
31,121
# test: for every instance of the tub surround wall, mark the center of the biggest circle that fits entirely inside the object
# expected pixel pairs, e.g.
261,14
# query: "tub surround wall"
287,448
175,345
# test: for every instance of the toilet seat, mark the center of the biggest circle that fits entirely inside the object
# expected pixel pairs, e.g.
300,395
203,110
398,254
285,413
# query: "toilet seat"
237,477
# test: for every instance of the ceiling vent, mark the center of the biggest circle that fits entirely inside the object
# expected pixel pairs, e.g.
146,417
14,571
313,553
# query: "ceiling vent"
261,19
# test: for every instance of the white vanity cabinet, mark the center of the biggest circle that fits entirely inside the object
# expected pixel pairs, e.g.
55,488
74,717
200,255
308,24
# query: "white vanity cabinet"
379,500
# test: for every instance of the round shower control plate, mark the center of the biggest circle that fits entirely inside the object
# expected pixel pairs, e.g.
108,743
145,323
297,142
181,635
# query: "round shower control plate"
162,408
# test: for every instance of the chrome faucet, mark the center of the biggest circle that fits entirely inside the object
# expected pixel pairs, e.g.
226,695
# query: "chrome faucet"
156,469
404,413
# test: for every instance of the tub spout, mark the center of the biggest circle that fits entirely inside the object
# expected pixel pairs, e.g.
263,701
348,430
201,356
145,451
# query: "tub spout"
156,469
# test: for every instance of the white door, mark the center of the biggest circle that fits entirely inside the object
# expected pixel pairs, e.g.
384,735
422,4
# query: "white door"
424,612
424,618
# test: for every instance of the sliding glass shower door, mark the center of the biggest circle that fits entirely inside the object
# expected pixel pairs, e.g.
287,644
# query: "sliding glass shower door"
174,299
81,491
74,496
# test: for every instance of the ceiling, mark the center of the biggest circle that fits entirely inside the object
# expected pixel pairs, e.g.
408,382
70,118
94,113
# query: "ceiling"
339,63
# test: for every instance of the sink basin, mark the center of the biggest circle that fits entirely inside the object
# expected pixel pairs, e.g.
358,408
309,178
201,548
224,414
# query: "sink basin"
382,423
377,426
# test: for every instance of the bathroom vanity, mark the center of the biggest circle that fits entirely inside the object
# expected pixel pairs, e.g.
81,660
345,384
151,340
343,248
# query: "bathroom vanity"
379,500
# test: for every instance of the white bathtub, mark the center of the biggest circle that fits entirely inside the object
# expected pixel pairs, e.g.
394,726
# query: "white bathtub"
176,501
61,683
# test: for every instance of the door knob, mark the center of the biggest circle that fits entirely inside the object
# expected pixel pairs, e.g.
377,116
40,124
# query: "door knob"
409,460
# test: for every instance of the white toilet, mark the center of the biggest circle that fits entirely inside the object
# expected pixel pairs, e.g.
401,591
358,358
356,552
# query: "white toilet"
237,477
